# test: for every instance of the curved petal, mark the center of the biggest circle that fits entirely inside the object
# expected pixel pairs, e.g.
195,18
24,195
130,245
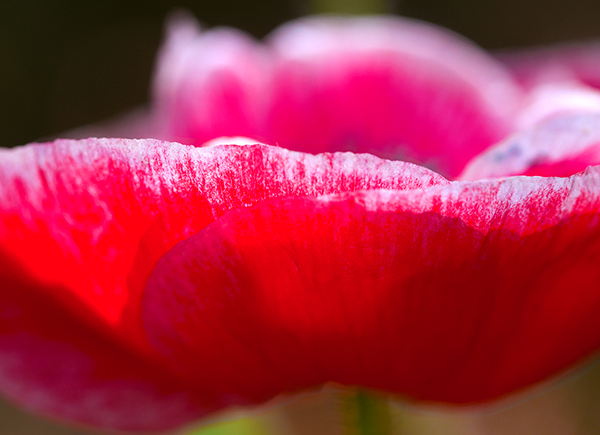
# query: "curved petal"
82,223
392,87
560,145
209,84
83,214
458,293
553,100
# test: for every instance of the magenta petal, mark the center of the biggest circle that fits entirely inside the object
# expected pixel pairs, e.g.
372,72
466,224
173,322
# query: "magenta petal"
392,87
459,293
560,145
209,84
395,88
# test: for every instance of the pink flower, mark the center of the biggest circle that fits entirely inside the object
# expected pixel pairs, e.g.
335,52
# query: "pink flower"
147,284
396,88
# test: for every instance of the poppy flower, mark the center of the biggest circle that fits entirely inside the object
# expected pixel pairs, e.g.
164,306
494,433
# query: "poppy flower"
147,284
394,88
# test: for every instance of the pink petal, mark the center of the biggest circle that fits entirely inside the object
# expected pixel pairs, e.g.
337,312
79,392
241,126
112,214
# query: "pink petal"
458,293
554,64
553,100
392,87
82,223
209,85
560,145
396,88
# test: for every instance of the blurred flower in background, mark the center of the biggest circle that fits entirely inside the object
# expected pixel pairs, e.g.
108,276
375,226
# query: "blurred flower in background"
432,99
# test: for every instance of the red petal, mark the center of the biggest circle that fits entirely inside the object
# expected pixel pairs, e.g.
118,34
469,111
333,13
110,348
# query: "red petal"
52,364
75,213
84,222
392,87
560,145
458,293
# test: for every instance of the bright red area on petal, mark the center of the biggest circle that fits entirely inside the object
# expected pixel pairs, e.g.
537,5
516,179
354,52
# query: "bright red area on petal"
83,223
93,217
459,293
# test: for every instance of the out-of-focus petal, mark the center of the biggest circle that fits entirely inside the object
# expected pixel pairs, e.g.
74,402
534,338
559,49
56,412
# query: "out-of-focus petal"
575,62
559,146
458,293
395,88
392,87
554,100
209,84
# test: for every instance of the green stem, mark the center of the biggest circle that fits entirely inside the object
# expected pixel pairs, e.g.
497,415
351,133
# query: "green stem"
350,6
368,415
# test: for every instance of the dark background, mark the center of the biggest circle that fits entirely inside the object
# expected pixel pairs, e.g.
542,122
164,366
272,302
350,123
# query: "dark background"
66,63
